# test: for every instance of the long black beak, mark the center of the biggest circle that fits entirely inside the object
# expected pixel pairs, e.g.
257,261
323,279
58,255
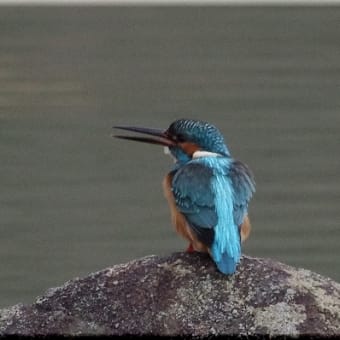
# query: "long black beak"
156,136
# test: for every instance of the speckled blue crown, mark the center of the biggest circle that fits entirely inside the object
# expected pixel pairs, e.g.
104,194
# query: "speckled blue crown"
205,135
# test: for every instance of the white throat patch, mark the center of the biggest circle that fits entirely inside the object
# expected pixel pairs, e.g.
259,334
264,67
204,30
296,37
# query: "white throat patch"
202,153
167,152
196,154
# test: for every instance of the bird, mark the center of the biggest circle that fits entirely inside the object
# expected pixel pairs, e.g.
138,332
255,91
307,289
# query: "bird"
208,191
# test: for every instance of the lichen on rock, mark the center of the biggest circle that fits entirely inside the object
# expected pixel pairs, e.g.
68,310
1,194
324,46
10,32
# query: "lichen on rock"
184,294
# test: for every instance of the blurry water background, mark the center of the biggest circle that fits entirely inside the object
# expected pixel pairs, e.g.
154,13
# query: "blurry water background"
73,200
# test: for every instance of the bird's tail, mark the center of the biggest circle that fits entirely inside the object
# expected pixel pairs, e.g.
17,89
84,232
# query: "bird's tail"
226,264
226,247
226,255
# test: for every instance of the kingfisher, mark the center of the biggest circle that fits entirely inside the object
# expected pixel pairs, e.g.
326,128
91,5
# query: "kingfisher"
207,190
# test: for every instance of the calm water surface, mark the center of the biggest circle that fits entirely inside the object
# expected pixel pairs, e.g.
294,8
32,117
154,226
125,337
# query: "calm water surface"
73,200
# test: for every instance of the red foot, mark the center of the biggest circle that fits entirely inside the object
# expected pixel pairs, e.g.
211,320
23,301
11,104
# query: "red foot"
190,249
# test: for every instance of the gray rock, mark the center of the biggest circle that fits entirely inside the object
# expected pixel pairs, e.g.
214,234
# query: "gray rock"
184,294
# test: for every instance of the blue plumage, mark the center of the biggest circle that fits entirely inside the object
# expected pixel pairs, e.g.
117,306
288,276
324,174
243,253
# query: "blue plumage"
208,191
213,193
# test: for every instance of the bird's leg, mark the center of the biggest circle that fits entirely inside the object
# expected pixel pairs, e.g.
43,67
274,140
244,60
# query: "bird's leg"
190,248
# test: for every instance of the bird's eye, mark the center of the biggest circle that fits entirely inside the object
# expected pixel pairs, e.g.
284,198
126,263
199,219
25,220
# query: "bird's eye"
180,138
176,137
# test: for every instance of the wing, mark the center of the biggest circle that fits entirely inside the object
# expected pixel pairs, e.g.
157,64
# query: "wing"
191,187
213,194
243,188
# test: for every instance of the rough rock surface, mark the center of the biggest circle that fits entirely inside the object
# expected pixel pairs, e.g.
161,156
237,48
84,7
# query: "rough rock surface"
184,294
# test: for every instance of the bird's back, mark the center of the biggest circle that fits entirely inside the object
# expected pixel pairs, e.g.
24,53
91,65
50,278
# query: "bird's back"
206,201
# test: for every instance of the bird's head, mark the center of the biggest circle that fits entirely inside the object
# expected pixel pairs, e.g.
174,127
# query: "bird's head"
184,138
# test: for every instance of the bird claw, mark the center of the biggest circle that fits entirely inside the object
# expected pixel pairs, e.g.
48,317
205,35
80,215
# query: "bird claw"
190,249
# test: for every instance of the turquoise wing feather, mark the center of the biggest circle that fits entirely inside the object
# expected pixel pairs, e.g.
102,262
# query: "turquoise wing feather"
204,193
191,187
244,186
